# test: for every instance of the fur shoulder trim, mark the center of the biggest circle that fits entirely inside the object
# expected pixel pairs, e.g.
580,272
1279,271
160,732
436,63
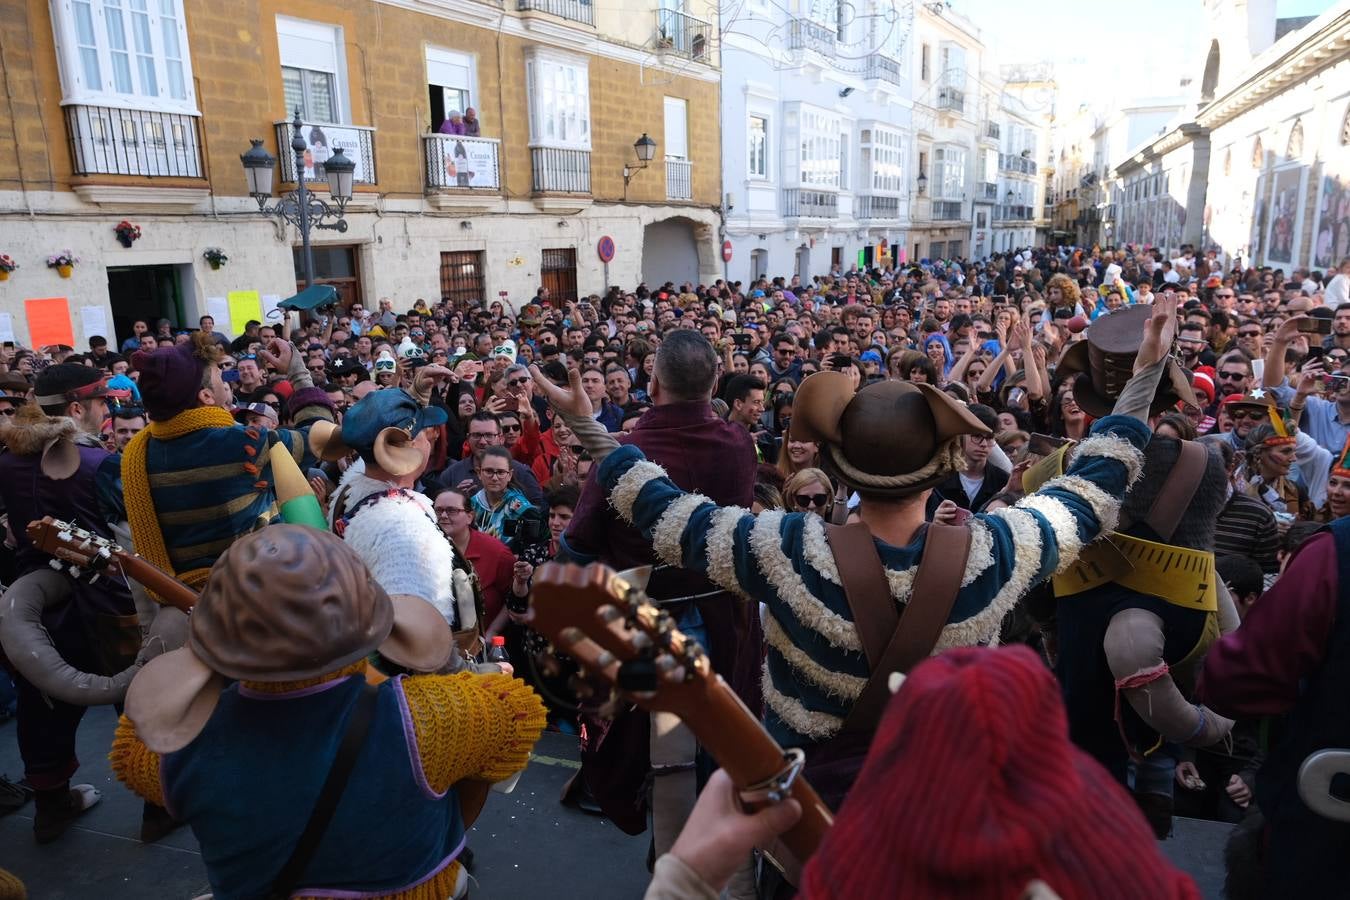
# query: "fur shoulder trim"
30,430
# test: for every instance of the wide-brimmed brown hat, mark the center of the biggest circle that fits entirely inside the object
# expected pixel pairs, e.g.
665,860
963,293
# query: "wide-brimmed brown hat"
286,603
1100,366
892,438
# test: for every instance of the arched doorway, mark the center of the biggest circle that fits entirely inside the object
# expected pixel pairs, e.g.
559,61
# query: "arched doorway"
670,252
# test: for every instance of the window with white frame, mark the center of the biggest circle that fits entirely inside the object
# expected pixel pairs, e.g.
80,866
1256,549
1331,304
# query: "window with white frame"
124,53
953,65
560,101
758,147
313,70
450,83
677,128
887,160
820,148
949,173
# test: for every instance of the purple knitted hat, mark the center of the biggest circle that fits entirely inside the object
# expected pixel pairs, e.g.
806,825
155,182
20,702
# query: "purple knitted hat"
170,379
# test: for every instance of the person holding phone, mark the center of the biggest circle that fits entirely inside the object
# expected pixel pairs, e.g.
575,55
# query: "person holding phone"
1326,418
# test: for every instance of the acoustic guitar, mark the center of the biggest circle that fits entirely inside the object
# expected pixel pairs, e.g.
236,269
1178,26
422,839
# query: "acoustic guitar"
83,554
619,638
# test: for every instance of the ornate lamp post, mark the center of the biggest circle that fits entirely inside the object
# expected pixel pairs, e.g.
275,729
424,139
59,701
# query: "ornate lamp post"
300,207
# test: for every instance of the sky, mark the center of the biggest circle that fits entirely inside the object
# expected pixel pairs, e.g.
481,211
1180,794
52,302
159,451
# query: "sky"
1074,38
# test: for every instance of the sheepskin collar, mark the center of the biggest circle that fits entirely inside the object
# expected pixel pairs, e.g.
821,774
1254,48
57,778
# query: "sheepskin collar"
30,430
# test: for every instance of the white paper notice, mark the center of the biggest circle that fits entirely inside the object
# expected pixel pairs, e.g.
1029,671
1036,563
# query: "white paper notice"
272,315
95,321
6,327
218,308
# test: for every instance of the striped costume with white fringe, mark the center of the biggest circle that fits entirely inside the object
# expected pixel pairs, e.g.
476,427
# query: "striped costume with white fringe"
816,668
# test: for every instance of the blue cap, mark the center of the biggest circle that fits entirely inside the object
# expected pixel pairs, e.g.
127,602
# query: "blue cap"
389,408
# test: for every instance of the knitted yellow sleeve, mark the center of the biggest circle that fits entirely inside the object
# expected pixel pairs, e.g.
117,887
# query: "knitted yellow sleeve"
473,726
134,764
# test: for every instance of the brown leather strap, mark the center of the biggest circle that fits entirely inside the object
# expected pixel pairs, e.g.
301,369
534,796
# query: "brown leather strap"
917,627
1176,494
875,615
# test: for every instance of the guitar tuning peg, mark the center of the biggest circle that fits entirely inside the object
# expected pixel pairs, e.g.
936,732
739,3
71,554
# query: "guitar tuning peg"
74,571
56,564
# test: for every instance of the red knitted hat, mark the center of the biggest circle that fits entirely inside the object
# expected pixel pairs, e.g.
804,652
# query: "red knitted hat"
973,790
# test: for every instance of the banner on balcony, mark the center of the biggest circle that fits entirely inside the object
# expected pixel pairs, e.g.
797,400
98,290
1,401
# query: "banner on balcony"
469,163
323,140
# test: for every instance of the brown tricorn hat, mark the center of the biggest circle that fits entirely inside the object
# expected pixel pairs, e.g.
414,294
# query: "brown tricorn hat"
892,438
1099,366
286,603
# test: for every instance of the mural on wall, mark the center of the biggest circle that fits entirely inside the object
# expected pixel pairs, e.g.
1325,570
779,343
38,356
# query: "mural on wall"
1331,227
1286,216
1258,221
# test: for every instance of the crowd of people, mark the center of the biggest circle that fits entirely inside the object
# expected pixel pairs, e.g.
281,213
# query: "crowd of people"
1071,428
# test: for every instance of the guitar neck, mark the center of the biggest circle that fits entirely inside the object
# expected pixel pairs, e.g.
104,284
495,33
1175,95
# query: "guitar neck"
173,591
741,746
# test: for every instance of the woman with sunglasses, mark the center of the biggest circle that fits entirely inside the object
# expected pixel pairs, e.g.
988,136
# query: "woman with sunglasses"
809,490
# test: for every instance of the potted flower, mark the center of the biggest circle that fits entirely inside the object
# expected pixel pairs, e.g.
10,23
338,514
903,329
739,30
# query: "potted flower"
63,262
215,256
7,265
127,232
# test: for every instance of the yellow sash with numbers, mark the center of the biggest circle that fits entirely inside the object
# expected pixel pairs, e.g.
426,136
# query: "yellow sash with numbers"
1182,577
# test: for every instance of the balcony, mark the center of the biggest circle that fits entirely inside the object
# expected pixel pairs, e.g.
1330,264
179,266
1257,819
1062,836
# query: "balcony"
357,143
951,99
1013,213
806,204
988,191
872,206
883,68
679,179
946,210
1007,162
683,34
113,141
575,10
805,34
561,171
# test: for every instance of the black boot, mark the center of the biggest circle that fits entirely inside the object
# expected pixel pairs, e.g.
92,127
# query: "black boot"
1157,809
156,823
58,808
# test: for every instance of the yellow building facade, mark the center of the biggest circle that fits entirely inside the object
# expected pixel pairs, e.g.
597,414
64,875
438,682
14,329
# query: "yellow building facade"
139,110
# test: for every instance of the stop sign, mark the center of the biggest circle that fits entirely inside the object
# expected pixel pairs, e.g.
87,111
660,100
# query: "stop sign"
726,251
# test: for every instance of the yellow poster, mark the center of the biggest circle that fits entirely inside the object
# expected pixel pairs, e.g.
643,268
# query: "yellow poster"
245,307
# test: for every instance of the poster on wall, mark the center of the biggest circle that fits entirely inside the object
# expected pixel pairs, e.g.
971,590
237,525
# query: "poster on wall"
1286,216
1258,221
49,322
1331,227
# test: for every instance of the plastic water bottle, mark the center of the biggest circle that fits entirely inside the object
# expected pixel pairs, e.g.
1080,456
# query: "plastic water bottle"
497,651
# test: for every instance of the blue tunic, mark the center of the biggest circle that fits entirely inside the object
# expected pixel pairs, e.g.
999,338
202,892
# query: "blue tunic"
816,667
248,783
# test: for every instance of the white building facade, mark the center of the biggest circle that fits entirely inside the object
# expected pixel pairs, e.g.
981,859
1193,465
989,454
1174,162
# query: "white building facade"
817,143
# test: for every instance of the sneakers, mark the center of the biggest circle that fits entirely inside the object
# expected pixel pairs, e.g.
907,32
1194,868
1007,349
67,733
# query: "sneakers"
58,809
13,795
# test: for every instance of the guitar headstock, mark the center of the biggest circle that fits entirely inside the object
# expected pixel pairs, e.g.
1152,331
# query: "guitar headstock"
84,551
617,635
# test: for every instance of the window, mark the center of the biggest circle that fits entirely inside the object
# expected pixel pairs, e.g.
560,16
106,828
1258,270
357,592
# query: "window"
124,52
462,278
558,272
560,101
335,265
820,148
759,147
954,65
313,75
949,175
924,67
1295,147
450,83
677,128
887,160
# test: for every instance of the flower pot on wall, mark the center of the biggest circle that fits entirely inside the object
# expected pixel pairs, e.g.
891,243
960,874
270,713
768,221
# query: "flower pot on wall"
4,276
65,271
125,240
215,265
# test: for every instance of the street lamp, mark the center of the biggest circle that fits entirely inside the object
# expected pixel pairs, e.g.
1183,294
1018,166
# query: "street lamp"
300,207
922,182
645,148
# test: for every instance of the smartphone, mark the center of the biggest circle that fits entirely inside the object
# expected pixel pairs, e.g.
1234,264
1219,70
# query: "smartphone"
1000,300
1045,444
1314,325
1314,353
841,361
741,340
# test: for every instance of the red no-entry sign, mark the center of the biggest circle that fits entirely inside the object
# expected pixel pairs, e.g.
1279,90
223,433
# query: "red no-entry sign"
726,251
